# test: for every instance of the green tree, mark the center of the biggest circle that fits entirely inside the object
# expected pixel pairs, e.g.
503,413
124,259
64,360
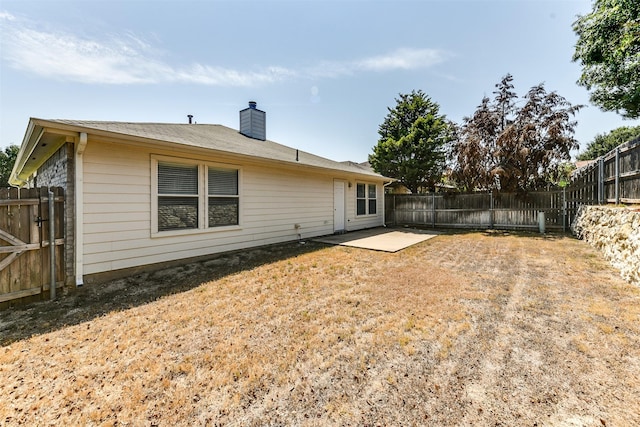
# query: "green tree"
7,159
508,147
608,48
603,143
560,176
412,143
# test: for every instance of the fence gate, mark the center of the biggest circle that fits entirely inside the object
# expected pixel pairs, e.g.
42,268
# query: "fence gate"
25,239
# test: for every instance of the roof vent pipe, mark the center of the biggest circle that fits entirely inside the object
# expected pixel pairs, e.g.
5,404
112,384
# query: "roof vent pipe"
253,122
190,116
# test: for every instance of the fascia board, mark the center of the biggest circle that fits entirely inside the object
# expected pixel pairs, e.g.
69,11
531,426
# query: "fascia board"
29,142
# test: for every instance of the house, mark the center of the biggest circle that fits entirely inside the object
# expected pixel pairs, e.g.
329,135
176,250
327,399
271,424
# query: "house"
582,163
140,195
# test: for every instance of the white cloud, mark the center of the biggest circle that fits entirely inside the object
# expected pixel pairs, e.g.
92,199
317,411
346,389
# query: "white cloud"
219,76
130,60
329,69
116,60
400,59
58,55
121,60
403,59
7,16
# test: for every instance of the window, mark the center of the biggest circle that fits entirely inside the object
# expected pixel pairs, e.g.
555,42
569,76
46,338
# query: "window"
192,196
373,204
366,199
223,197
177,196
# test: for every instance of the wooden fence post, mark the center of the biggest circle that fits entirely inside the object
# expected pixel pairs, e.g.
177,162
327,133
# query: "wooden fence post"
564,209
433,209
52,246
617,170
394,210
600,180
491,209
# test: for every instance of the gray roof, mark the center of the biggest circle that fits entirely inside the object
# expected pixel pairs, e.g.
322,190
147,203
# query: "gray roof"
217,137
363,165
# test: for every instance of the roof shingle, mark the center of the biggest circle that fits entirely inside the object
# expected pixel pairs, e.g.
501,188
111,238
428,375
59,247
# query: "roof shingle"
217,137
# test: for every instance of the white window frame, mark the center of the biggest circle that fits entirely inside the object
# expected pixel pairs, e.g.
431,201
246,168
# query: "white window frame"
236,196
366,199
203,196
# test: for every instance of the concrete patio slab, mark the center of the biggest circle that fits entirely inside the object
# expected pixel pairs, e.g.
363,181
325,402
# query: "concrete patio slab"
380,239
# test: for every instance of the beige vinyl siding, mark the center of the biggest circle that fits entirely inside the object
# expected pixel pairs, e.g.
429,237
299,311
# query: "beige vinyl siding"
118,209
116,202
116,236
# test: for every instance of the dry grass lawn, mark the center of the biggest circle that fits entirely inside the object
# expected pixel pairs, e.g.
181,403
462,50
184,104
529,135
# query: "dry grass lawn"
464,329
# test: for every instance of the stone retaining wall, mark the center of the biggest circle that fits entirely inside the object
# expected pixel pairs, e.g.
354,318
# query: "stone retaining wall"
616,232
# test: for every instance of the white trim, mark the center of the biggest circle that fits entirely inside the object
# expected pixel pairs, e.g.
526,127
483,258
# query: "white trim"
79,208
27,147
344,205
202,196
154,195
366,199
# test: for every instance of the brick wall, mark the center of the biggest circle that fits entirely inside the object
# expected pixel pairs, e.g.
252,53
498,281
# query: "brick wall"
59,171
53,173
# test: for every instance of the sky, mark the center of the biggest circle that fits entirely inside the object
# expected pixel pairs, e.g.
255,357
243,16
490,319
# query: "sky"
325,72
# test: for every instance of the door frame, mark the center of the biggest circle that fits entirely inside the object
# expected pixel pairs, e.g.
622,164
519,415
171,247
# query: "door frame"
336,206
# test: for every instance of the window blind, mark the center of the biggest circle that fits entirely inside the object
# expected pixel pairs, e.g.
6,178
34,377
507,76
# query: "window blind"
177,179
223,182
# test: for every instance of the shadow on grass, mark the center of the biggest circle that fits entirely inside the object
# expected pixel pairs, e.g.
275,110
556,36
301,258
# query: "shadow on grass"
552,235
91,301
549,235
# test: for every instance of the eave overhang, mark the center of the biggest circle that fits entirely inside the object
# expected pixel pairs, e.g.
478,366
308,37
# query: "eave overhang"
39,144
43,138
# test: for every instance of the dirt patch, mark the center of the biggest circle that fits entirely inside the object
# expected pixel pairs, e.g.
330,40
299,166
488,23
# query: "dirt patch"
464,329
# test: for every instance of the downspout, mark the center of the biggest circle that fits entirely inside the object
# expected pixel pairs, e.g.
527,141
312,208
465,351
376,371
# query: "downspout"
384,204
79,212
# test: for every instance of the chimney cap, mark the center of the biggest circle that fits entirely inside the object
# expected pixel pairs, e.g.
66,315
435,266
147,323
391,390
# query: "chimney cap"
253,105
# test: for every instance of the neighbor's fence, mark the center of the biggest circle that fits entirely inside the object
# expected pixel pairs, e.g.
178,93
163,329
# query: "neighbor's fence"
31,244
612,178
482,210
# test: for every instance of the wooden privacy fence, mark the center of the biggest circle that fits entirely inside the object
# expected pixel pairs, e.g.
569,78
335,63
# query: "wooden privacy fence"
482,210
26,267
612,178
